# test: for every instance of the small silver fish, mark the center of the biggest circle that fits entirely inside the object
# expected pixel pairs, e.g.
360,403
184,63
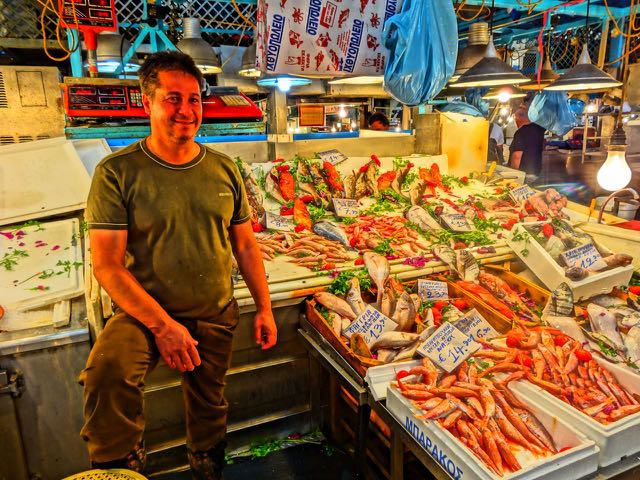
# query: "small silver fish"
336,304
422,219
394,340
330,230
604,322
467,266
386,355
378,268
354,297
407,352
405,313
625,316
254,194
446,254
561,302
576,273
388,302
632,344
607,301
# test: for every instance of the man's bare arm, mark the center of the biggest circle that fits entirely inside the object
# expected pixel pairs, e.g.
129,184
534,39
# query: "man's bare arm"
174,342
516,159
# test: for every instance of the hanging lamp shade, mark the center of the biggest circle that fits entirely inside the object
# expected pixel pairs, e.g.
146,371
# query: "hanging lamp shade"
584,76
284,83
108,54
490,72
248,66
474,51
547,77
197,48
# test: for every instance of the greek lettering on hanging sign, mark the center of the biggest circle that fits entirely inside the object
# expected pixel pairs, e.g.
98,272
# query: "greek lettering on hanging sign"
585,256
476,326
432,290
457,222
371,324
334,156
278,222
520,194
346,207
448,347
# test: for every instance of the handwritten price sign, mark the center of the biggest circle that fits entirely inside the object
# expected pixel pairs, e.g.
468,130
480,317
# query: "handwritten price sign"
520,194
371,324
476,326
432,290
333,156
277,222
585,256
448,347
457,222
346,207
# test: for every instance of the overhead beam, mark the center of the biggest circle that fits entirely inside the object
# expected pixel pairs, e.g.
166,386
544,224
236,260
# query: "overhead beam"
578,9
517,34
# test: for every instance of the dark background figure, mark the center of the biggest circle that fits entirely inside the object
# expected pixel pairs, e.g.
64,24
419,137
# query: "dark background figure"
525,151
378,121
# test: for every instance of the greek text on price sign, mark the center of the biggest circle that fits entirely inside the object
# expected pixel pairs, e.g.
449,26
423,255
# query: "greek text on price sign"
346,207
585,256
432,290
520,194
476,326
448,347
333,156
371,324
457,222
278,222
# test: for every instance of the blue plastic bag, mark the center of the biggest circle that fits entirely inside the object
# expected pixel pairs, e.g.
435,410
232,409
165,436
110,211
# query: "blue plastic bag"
473,96
423,45
550,109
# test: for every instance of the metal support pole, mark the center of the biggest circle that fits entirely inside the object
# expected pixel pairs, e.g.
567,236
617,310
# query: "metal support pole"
602,51
76,55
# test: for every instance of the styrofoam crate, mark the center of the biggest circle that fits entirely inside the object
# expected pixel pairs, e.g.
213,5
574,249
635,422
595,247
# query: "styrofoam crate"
615,440
378,378
578,460
552,274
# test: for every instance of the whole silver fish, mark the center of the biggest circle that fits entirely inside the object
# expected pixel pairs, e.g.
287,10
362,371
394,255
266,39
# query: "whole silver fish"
378,268
386,355
394,340
625,316
336,322
305,180
568,325
422,219
604,322
331,231
632,343
405,313
607,301
446,254
561,302
336,304
254,194
388,302
407,352
354,297
467,266
398,181
370,178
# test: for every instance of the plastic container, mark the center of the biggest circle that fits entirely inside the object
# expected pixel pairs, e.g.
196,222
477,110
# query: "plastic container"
552,274
615,440
578,460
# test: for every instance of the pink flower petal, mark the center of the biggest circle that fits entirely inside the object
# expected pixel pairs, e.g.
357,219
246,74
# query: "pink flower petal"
55,247
9,235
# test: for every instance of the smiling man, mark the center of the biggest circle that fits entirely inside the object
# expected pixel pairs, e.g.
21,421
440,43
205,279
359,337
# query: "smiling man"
165,215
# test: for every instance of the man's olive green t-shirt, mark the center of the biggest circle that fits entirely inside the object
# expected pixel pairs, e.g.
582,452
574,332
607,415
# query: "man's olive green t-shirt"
177,219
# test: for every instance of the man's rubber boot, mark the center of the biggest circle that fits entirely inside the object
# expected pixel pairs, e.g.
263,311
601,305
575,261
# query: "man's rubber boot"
135,460
207,465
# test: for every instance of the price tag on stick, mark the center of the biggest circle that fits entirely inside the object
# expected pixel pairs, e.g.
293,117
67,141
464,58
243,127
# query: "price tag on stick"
432,290
448,347
457,222
585,256
476,326
346,207
371,324
277,222
520,194
334,156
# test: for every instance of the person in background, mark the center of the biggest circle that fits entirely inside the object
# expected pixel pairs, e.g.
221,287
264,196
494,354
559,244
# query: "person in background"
378,121
496,143
165,217
525,151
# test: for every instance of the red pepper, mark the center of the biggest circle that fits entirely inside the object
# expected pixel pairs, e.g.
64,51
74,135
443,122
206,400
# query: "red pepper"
402,374
460,304
307,198
278,160
437,317
359,261
440,304
459,246
635,289
282,168
353,241
257,227
513,340
410,165
329,266
464,180
499,190
508,225
584,355
286,211
364,168
375,159
298,228
560,340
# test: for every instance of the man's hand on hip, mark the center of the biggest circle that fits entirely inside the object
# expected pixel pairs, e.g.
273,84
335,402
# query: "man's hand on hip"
265,329
177,347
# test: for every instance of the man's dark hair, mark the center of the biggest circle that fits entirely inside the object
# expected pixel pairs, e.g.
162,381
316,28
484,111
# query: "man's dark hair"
378,117
170,61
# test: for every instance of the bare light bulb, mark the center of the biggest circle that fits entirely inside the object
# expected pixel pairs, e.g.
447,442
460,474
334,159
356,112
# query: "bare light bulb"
592,108
504,111
504,97
342,112
614,173
284,84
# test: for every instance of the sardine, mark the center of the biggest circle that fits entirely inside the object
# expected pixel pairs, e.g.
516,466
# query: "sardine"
602,321
386,355
405,313
394,340
336,304
378,268
422,219
330,230
354,297
632,343
467,266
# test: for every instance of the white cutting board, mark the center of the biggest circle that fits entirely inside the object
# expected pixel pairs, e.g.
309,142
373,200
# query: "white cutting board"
91,151
40,179
52,269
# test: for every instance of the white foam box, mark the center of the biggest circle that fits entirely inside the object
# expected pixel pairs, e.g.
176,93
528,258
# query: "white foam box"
552,274
615,440
578,460
378,378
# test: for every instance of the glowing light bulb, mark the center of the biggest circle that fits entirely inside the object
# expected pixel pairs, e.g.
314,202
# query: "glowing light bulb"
342,112
398,129
504,111
354,125
591,108
614,173
284,84
333,130
504,97
625,120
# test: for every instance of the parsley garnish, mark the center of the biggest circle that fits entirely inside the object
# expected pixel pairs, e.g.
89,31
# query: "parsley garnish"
341,285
